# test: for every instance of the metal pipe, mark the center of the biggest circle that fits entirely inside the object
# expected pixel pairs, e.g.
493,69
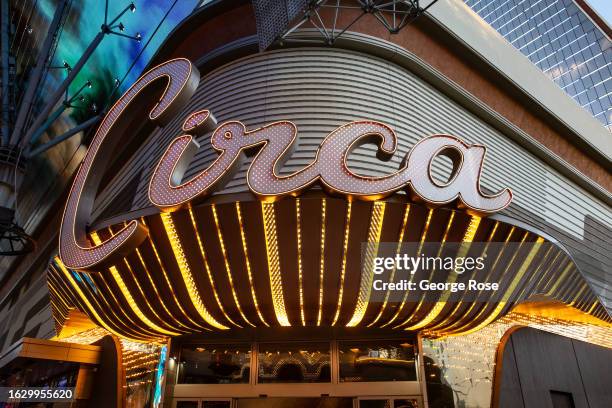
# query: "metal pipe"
44,147
52,118
37,73
59,93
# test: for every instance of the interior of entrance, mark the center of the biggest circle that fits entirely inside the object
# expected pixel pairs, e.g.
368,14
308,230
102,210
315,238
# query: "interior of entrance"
321,402
272,368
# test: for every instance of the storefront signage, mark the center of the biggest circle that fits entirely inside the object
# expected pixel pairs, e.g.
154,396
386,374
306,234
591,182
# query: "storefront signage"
177,80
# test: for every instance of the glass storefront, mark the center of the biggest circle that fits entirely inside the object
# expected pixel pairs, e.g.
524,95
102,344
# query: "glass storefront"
214,364
342,371
377,361
294,362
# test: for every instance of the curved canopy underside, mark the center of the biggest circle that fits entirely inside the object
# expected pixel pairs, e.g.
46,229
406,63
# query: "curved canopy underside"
297,262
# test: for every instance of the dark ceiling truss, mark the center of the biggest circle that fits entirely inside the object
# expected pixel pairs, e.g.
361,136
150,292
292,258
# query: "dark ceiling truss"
326,16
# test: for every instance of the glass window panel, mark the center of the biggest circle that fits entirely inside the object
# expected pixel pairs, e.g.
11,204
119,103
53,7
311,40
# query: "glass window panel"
295,402
294,362
377,361
214,364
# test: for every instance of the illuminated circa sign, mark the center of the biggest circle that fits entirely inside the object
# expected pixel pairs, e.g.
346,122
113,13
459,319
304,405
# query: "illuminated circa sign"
177,80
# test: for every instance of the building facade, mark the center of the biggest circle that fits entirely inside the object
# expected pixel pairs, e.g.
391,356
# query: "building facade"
237,271
567,40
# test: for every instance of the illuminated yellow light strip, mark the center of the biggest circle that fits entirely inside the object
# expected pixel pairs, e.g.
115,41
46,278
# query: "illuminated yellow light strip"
208,270
145,297
227,266
322,260
560,279
441,303
484,308
158,296
183,265
397,250
272,256
116,308
473,305
463,250
537,271
92,310
578,295
347,226
365,288
508,293
167,279
60,298
130,299
452,313
423,236
248,264
298,218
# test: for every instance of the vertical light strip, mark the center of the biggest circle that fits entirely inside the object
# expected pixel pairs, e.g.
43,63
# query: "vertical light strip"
508,293
274,272
167,279
423,236
510,290
365,287
228,270
466,313
452,277
490,273
397,250
93,311
115,308
181,261
298,220
347,227
248,264
155,289
207,268
422,300
129,298
322,260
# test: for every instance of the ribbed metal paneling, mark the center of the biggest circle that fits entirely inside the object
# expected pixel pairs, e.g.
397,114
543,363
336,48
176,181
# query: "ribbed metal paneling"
322,88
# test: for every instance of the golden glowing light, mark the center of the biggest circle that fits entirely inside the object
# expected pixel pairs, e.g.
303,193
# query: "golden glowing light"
183,265
248,264
423,236
322,261
298,219
130,299
400,239
452,277
347,227
272,255
207,268
227,266
86,302
365,287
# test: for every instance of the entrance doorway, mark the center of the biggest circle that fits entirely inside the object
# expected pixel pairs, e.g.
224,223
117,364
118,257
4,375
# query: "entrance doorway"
304,402
323,402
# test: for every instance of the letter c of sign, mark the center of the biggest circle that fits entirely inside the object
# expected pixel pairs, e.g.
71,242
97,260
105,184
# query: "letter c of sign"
181,79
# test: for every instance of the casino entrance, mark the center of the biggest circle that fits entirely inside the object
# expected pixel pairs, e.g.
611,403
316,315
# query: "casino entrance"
293,402
284,367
